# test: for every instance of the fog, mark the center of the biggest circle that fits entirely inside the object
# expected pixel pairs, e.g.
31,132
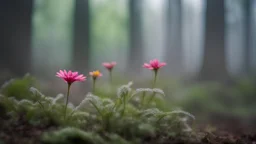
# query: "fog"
209,47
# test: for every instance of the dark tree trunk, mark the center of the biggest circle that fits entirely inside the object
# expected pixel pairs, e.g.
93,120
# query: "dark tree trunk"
214,60
15,36
173,55
136,41
248,34
81,42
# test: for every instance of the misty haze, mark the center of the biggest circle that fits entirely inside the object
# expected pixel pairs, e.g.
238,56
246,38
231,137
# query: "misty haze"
127,71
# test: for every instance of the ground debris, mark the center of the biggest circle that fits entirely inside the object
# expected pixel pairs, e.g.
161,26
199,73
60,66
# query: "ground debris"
22,132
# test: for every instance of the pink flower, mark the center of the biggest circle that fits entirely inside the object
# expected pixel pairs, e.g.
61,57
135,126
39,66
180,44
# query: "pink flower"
70,76
154,64
109,65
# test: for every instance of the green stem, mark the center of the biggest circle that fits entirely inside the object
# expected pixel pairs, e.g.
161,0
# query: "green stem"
142,100
115,105
160,119
124,99
98,110
155,75
67,101
96,107
42,107
151,98
110,76
93,85
153,85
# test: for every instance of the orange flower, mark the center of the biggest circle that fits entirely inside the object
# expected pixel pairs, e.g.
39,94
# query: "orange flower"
95,74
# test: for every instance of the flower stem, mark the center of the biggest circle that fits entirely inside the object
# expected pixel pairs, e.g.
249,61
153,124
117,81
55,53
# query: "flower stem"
155,75
151,98
124,99
67,101
97,108
93,85
153,85
110,76
142,100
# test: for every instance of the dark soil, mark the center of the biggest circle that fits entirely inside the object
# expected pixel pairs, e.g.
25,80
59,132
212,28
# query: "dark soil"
23,133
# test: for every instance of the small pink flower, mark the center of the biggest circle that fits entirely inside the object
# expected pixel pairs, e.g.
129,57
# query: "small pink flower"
95,74
109,65
154,64
70,76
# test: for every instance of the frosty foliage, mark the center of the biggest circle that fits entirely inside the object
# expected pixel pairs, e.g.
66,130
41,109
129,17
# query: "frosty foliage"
181,112
89,100
124,90
25,102
7,83
148,90
151,112
96,114
155,115
36,92
58,98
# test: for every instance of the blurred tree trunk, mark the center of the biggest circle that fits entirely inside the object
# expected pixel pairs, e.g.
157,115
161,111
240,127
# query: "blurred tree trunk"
248,34
15,36
173,55
135,60
214,60
81,41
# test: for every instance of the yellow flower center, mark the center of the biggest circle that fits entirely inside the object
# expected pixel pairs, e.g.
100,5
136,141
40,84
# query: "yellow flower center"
96,73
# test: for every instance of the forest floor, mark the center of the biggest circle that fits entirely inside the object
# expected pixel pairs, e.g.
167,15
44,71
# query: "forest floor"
21,132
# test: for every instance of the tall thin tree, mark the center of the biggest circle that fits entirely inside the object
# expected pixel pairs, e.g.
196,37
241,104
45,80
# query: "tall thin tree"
173,55
214,60
81,41
248,34
15,36
136,40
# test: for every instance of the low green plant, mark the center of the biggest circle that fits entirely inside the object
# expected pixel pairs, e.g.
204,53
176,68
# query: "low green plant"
19,87
123,119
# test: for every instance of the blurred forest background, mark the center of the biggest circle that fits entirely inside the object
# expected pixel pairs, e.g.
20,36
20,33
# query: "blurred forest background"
201,40
211,38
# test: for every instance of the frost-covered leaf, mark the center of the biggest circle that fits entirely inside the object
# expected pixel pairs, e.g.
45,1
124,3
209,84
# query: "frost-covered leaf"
80,114
124,90
140,90
25,102
36,92
159,91
7,83
93,98
70,105
148,90
150,112
89,98
107,101
48,100
13,100
181,112
58,98
180,122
